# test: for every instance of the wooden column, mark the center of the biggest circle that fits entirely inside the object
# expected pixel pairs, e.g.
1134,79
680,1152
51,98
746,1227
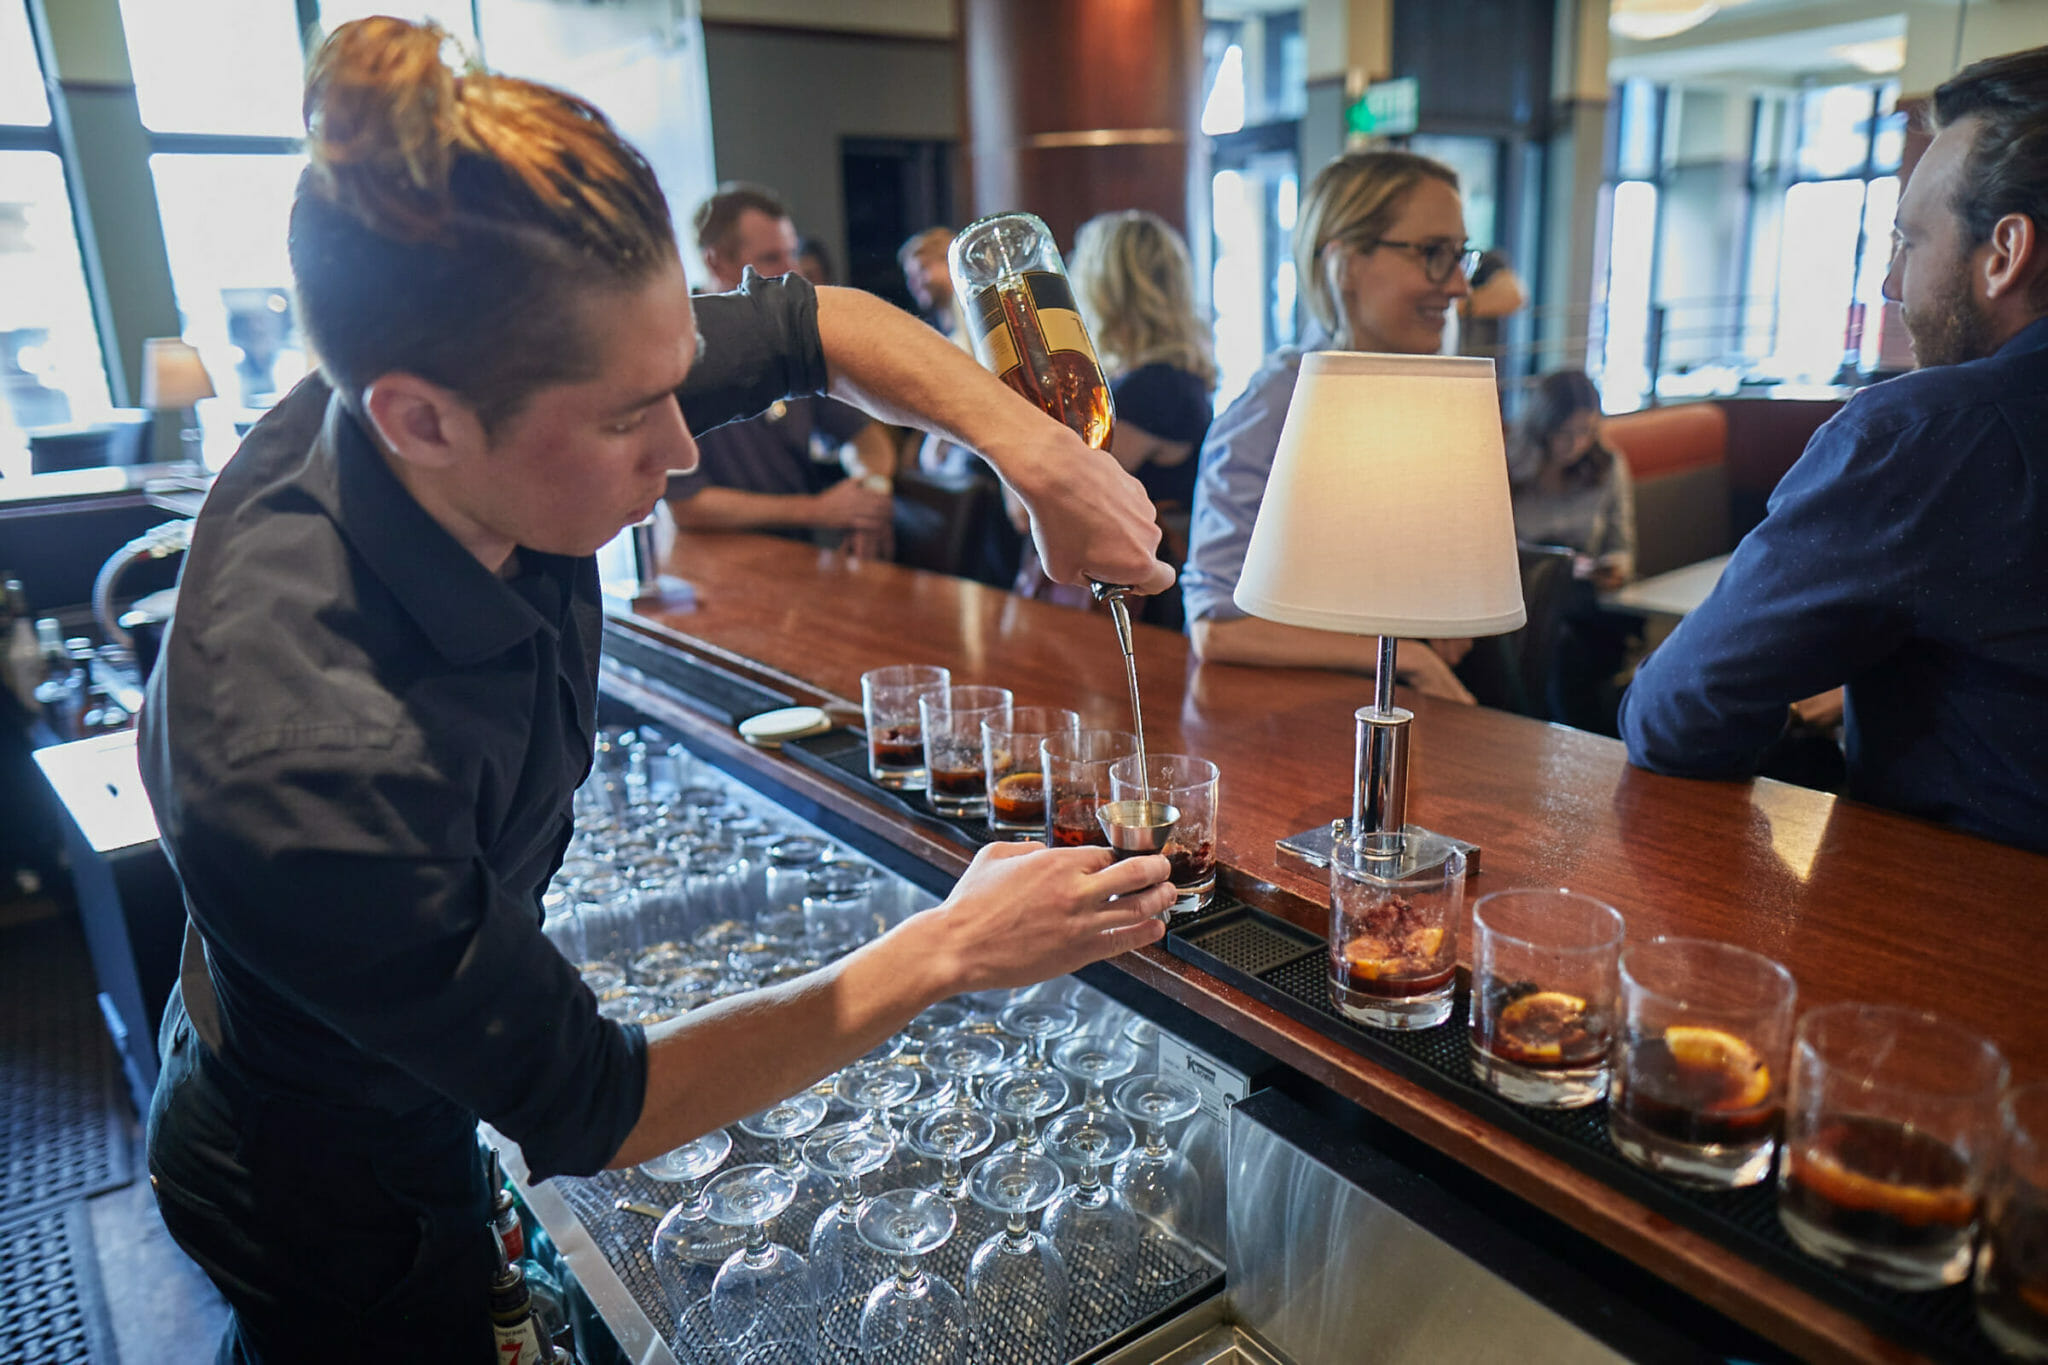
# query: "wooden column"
1079,107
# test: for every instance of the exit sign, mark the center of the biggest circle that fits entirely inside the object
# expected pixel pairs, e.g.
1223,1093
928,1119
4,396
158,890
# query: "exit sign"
1387,109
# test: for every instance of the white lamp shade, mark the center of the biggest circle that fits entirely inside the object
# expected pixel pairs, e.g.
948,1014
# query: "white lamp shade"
1387,510
173,375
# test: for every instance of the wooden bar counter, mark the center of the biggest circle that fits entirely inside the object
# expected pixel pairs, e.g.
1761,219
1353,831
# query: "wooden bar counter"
1859,903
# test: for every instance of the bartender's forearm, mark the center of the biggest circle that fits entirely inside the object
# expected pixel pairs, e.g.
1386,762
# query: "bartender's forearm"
739,1055
1269,644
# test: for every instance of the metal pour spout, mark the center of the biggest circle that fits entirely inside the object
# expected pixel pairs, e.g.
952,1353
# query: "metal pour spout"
1114,594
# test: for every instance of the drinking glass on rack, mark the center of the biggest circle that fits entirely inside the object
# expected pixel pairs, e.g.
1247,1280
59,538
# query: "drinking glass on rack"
1023,1097
935,1019
951,720
888,703
912,1318
843,1267
609,914
1189,785
1013,770
1545,988
1698,1086
949,1136
1096,1230
838,913
875,1088
784,1123
712,885
762,1307
962,1056
1393,937
1017,1282
1076,771
2012,1263
1038,1023
1891,1128
686,1237
1162,1185
792,861
562,925
1095,1059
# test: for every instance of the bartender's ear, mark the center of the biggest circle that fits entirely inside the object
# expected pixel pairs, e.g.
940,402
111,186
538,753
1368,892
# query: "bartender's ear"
421,422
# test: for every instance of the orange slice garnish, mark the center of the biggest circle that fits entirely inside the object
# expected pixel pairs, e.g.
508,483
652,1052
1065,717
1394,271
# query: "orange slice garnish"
1712,1049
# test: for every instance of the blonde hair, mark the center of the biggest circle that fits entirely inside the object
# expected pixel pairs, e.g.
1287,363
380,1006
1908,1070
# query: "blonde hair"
449,225
1136,291
1353,200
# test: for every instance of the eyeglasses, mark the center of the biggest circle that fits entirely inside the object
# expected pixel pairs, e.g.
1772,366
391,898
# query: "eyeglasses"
1439,257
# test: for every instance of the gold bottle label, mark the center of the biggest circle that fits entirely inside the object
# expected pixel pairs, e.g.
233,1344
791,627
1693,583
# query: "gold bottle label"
1052,302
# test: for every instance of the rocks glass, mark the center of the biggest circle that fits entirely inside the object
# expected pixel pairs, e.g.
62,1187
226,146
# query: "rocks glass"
1545,986
1697,1090
1076,771
1013,770
1394,937
1189,785
951,719
1891,1130
2012,1263
888,703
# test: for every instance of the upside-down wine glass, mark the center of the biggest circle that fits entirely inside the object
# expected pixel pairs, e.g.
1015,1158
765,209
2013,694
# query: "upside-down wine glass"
1024,1097
783,1124
1097,1232
1161,1184
961,1056
844,1267
1017,1282
762,1307
686,1242
1038,1022
1095,1059
912,1318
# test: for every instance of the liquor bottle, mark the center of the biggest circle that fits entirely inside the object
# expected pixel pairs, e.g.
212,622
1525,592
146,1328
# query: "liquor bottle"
61,693
516,1334
24,661
1020,311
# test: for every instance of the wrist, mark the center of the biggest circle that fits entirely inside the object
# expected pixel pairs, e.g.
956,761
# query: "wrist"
920,956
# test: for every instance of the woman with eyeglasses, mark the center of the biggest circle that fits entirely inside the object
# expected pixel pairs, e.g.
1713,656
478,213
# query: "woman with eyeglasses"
1380,251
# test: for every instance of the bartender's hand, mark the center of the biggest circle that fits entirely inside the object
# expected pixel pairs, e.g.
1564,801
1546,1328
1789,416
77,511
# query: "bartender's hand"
1022,913
1089,518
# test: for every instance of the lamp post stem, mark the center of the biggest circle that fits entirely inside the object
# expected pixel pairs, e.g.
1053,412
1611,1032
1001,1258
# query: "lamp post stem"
1379,788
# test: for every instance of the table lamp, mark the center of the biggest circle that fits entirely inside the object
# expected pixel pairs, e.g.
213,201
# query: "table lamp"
174,378
1387,514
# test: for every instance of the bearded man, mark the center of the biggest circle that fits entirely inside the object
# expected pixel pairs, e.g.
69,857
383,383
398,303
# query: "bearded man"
1905,556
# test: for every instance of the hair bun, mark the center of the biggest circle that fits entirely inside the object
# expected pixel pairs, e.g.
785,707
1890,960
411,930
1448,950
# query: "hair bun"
383,125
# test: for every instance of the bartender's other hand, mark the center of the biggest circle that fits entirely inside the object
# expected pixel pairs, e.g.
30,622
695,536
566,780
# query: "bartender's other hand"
846,505
1023,913
1089,518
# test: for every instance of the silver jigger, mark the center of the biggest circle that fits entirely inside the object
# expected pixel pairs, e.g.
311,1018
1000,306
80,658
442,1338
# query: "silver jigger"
1137,827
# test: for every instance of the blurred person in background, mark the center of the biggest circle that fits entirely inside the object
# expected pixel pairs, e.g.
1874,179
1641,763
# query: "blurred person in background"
814,263
928,277
1379,246
1569,489
808,468
1904,558
1135,288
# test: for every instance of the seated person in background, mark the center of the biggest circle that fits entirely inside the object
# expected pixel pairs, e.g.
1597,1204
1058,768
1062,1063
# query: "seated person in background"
929,278
1136,291
1571,490
761,474
814,263
1906,553
1379,247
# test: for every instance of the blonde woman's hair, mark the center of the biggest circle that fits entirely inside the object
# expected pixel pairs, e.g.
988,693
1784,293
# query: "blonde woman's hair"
1136,290
451,224
1353,200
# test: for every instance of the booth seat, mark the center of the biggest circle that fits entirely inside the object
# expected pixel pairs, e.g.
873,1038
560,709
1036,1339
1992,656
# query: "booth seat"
1704,470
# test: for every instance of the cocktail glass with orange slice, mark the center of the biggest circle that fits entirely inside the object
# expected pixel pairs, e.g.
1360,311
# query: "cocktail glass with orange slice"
1544,995
1394,938
2012,1263
1698,1069
1891,1135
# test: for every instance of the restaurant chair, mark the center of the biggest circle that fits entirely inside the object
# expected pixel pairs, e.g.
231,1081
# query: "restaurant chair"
957,507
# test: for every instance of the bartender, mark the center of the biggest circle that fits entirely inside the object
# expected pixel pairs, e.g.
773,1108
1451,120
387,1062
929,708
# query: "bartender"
379,694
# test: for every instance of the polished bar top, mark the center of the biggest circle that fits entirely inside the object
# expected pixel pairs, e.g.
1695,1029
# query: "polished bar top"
1859,903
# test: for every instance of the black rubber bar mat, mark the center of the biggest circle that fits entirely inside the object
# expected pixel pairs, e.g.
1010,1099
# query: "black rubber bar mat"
52,1306
702,686
1287,968
842,755
1111,1306
63,1126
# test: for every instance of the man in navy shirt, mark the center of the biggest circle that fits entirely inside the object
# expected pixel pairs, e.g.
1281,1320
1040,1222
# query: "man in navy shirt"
1905,557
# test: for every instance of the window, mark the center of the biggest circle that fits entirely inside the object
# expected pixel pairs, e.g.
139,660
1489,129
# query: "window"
225,67
52,371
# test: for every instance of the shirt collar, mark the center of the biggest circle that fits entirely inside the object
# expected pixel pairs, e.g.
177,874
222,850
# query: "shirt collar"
2032,337
467,611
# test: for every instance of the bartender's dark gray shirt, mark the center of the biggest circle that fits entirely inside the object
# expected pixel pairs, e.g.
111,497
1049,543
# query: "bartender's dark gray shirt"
361,746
